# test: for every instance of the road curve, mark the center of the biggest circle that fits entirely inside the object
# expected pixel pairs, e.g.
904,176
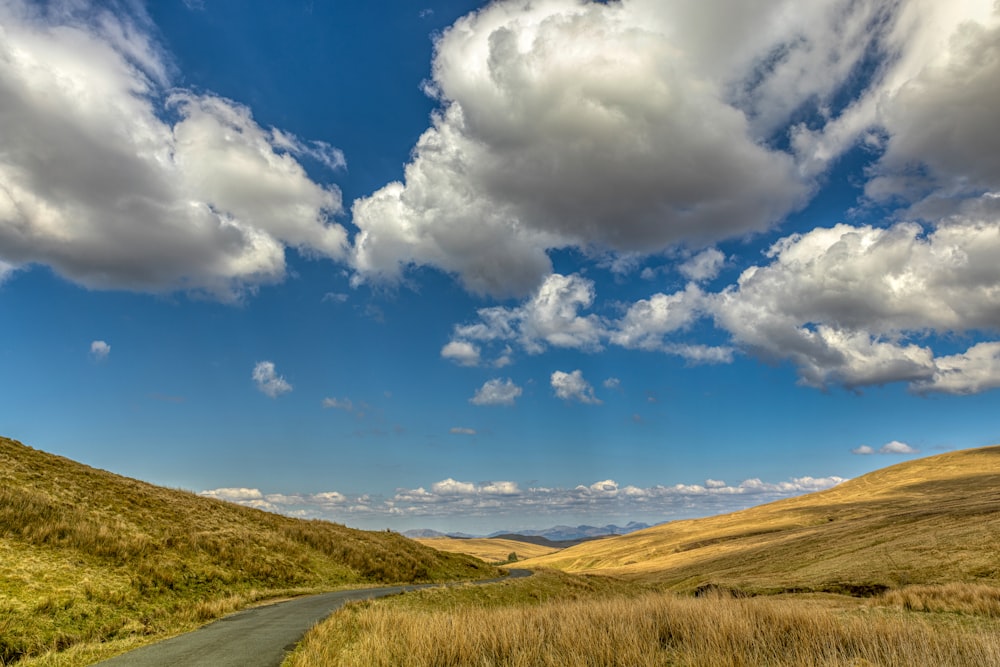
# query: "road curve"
258,637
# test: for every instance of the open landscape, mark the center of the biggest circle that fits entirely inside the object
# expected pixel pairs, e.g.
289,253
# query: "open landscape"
499,333
898,567
92,563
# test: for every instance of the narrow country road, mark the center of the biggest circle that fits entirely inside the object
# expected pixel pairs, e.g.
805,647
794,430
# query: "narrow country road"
258,637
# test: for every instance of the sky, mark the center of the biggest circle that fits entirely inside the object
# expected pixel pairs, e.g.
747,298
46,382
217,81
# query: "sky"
476,267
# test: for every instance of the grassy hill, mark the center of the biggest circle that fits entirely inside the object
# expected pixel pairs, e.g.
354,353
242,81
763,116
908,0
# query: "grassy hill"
487,548
92,559
932,520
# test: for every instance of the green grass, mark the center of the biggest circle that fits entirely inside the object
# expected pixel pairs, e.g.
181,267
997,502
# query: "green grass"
92,563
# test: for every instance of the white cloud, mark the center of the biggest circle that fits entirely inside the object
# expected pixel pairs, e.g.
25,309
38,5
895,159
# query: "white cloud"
497,392
99,350
572,387
853,305
894,447
897,447
461,430
704,266
612,383
344,404
647,321
941,145
95,184
461,352
562,124
552,317
971,372
268,381
504,498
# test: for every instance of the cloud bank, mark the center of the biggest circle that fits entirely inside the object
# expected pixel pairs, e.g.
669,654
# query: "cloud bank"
450,498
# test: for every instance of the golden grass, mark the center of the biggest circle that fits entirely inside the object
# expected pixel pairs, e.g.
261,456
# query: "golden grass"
928,521
958,598
488,549
88,557
605,625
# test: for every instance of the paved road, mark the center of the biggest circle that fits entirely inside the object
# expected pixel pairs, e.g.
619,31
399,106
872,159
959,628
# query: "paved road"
258,637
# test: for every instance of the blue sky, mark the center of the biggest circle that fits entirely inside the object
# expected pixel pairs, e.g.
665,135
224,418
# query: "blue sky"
472,267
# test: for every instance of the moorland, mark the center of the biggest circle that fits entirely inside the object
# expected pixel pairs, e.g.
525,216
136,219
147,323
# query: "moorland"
897,567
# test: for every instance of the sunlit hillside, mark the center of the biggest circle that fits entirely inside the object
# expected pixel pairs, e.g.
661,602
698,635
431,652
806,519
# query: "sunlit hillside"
488,549
931,520
90,557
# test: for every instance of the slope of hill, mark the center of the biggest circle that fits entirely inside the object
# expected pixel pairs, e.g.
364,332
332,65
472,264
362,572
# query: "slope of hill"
87,556
487,548
931,520
575,533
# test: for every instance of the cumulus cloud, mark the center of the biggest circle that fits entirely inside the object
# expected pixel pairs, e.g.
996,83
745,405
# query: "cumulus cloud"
553,317
99,350
565,124
450,497
941,145
461,352
572,387
269,382
894,447
897,447
853,304
703,266
117,179
497,392
612,383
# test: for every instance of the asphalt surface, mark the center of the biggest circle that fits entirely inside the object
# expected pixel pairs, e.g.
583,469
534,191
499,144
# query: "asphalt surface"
258,637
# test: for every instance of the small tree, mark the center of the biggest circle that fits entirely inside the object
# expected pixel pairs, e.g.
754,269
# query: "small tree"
512,557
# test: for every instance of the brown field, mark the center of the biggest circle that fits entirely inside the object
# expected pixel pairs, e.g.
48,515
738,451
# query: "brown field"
98,563
929,521
488,549
561,620
898,567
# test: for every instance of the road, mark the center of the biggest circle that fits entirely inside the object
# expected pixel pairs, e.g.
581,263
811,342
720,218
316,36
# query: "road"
258,637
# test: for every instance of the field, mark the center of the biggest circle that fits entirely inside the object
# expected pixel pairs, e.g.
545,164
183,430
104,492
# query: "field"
491,550
92,563
897,567
932,520
559,619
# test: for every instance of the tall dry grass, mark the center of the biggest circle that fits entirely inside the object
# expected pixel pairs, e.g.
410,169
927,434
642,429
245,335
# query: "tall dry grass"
652,629
961,598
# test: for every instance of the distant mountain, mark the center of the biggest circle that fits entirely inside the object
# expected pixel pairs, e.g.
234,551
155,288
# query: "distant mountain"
575,533
559,537
424,533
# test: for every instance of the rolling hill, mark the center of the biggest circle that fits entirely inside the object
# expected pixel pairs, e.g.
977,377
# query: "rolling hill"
90,557
931,520
489,549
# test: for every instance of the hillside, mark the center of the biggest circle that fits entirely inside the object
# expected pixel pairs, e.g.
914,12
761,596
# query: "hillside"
487,548
931,520
87,556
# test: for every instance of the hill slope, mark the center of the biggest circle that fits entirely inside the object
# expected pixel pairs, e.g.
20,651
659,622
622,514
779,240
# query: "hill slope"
930,520
89,556
490,549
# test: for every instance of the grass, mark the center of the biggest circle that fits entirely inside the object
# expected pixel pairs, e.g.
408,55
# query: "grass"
92,563
491,550
928,521
556,619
